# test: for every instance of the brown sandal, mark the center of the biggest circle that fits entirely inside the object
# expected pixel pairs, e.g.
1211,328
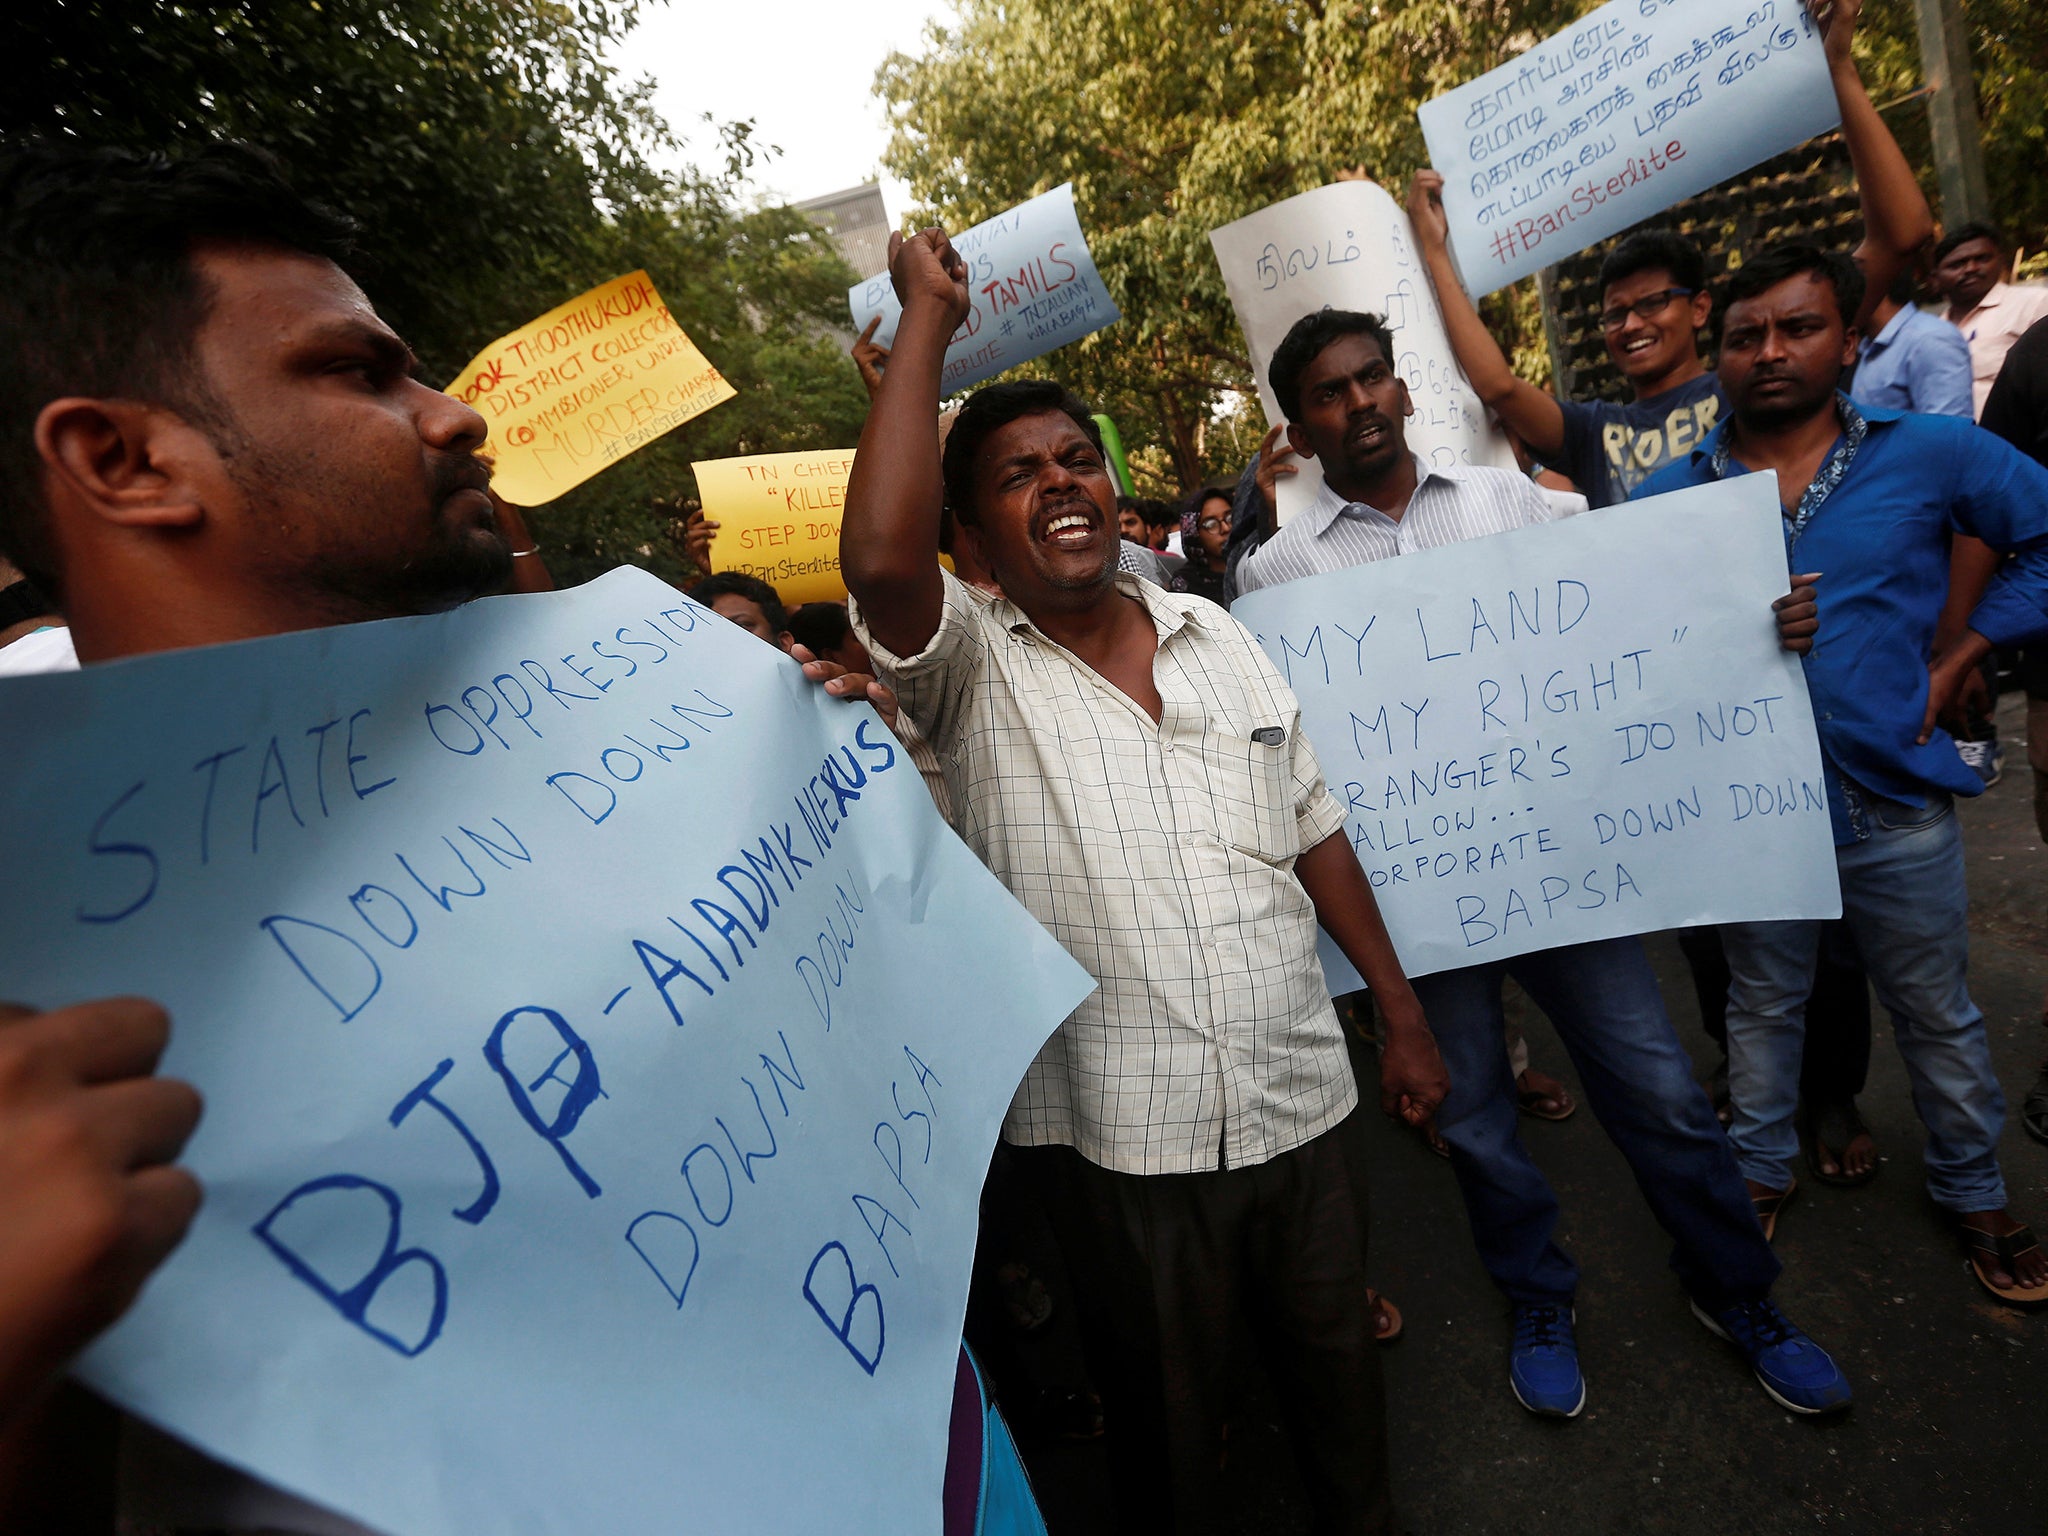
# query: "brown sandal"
1769,1205
1541,1102
2002,1250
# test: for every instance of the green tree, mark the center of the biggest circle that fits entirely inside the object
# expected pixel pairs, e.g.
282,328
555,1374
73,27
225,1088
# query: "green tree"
1172,120
498,166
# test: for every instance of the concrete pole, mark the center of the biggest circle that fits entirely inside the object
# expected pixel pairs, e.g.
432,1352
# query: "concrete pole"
1952,111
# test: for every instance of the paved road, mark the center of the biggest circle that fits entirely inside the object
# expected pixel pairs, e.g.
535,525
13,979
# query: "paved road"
1947,1433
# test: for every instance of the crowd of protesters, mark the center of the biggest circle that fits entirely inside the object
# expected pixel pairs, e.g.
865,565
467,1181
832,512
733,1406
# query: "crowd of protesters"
208,435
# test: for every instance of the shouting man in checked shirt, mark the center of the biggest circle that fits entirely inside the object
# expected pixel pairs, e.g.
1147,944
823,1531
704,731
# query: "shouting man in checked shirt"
1182,1123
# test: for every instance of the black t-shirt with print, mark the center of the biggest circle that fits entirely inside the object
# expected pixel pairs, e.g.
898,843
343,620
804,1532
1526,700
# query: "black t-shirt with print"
1611,449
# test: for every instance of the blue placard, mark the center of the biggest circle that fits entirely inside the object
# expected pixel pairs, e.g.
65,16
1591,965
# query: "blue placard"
1034,287
1569,732
603,1041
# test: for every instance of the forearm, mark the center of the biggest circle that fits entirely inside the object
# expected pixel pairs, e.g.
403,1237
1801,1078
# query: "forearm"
1971,565
1345,907
889,537
1530,411
1896,218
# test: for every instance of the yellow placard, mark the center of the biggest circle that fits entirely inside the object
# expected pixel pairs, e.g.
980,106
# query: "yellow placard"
584,385
778,517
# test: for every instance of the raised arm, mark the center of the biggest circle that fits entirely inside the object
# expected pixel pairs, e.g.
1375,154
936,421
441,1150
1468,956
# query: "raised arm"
1532,412
889,537
1896,218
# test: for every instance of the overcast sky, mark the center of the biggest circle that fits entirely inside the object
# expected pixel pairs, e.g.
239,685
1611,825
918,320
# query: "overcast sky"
802,69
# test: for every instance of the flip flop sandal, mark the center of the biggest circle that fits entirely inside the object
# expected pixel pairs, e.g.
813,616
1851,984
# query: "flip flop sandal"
1835,1126
1768,1206
1530,1101
1383,1309
2004,1250
2034,1112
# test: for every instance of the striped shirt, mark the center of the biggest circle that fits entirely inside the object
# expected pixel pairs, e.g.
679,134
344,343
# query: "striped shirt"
1449,506
1162,857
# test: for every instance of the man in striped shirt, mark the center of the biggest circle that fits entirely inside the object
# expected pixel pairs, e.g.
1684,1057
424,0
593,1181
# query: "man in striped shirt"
1132,767
1334,376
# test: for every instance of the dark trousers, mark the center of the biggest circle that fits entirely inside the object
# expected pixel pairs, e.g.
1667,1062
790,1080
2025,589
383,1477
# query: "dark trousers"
1837,1059
1603,999
1165,1267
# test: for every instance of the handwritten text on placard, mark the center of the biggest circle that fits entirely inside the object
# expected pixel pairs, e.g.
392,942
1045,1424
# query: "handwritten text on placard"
1034,287
568,982
1637,106
1570,732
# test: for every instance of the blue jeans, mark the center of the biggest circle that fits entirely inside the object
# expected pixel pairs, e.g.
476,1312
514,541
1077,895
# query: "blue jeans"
1906,902
1603,1000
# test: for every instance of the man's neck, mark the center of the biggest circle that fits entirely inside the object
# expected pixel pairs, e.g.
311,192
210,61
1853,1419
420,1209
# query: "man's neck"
1080,621
1686,371
1781,446
107,623
1959,313
1883,315
1388,492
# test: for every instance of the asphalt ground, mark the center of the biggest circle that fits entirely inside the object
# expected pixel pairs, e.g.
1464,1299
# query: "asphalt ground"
1949,1432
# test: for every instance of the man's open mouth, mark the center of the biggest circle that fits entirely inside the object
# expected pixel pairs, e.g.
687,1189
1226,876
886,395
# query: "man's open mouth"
1070,530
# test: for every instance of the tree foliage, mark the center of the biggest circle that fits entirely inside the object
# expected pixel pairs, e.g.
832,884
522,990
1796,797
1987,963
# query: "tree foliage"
498,165
1173,119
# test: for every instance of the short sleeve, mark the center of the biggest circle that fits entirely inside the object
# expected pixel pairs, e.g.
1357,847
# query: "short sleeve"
930,685
1318,814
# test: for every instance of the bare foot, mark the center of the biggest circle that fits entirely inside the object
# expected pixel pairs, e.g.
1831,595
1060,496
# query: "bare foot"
1856,1161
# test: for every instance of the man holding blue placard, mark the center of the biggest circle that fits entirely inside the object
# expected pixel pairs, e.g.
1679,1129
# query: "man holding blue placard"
1871,497
1183,1121
1347,406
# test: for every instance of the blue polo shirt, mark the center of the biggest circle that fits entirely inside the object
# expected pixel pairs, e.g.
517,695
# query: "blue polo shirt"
1876,524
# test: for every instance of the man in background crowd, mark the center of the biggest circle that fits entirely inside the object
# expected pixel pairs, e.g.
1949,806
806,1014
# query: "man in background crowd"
1870,497
749,602
1910,360
1973,270
1347,407
1204,531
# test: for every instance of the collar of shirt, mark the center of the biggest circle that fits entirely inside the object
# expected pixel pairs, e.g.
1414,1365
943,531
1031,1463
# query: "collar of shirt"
1719,449
1329,505
1171,612
1890,333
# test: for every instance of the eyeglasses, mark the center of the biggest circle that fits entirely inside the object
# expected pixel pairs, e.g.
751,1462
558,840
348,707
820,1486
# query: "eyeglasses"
1648,305
1210,524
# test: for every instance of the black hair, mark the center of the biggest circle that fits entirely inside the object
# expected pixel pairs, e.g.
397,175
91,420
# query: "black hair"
752,588
1963,234
1306,340
1655,250
101,297
986,413
821,627
1796,258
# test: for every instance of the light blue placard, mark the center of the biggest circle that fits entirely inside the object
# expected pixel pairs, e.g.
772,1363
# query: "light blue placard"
1569,732
1034,285
603,1041
1633,108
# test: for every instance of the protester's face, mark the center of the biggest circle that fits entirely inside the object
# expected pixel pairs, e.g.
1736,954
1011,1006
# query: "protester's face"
1352,412
338,479
851,654
1046,506
1969,272
1653,345
746,613
1212,527
1131,526
1783,353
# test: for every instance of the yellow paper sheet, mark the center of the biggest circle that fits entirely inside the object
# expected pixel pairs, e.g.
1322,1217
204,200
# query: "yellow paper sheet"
778,517
584,385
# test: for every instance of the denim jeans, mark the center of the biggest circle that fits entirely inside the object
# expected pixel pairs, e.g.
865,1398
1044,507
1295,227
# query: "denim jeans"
1905,900
1603,1000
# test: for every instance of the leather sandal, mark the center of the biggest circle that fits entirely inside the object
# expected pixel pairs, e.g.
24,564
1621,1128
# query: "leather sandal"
2002,1250
1769,1205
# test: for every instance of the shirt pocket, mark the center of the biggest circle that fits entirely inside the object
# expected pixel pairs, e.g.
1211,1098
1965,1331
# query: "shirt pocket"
1251,787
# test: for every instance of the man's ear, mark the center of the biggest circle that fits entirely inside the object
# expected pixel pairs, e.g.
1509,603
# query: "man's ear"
969,534
1298,441
1852,344
130,463
1702,309
1407,400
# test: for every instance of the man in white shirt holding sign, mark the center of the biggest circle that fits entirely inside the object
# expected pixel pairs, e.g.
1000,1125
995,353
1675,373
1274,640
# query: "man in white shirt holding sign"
1335,378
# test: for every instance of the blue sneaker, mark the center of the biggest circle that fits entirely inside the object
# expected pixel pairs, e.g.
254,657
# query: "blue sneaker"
1796,1372
1543,1362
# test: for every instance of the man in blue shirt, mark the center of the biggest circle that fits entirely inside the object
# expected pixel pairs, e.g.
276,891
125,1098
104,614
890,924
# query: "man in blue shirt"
1911,360
1871,497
